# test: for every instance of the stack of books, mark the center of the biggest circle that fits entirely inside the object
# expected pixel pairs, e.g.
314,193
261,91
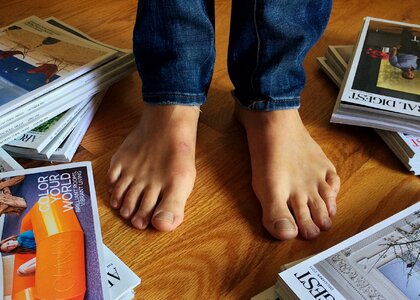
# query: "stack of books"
50,238
52,80
381,262
373,92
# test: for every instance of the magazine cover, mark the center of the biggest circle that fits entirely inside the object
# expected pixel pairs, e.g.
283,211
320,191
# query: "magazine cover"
36,57
51,244
381,262
121,279
385,71
38,138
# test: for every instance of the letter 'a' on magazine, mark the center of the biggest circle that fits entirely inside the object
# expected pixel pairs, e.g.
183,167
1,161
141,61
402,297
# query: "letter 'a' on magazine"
381,262
382,85
51,243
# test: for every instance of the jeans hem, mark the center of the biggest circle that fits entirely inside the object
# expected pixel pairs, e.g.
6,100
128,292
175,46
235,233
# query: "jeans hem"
187,99
269,104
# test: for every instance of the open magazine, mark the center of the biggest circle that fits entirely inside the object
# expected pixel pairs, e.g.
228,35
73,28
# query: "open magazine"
381,262
381,89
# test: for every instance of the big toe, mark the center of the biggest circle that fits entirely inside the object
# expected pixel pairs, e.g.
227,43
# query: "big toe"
278,220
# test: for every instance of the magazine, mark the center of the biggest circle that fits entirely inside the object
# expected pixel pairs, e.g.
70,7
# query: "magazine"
36,57
7,163
40,136
381,262
121,280
51,240
376,93
405,146
63,147
35,140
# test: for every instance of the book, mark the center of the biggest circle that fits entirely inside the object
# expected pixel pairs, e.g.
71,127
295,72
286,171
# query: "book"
405,146
51,241
374,93
381,262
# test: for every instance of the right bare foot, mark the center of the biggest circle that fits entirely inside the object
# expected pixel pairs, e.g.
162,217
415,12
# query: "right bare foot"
153,172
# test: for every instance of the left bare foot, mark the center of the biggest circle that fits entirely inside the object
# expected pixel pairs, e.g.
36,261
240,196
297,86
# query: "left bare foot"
290,174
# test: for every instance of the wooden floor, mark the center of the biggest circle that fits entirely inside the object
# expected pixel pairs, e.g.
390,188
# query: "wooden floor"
221,251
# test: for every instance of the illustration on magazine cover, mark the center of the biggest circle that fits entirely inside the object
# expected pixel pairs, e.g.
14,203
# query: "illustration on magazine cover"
386,68
32,54
48,237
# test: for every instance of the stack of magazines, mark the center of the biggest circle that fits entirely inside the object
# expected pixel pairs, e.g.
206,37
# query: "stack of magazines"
374,91
50,237
52,81
381,262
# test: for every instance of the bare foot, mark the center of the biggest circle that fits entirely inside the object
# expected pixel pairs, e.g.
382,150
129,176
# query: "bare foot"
295,182
152,173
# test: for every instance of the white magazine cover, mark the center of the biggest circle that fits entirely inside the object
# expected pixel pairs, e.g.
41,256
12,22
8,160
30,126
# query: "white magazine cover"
37,57
7,163
39,137
381,262
55,208
407,146
64,145
374,81
22,125
121,279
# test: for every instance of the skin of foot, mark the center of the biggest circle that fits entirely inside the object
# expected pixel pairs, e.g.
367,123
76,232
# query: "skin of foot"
153,172
295,182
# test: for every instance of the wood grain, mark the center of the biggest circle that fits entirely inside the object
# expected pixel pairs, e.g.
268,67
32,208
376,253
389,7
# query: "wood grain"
221,251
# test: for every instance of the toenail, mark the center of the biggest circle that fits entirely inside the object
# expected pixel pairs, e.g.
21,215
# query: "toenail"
137,222
333,209
284,224
125,212
114,203
164,216
327,222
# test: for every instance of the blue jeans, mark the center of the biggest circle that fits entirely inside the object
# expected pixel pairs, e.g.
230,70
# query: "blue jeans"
175,52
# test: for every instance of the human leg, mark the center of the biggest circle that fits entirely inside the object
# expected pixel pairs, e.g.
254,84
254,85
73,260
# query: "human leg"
291,176
153,172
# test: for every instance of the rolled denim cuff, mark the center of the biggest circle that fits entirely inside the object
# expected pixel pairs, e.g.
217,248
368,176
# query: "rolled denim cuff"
268,104
167,98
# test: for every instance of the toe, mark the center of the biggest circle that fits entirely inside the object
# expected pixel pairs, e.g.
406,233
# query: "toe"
113,174
333,180
142,217
118,191
329,196
278,220
307,227
169,213
319,213
131,199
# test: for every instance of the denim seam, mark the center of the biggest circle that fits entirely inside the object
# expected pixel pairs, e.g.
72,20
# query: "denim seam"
172,94
258,48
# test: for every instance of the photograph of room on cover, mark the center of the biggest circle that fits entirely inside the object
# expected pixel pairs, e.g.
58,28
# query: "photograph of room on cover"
384,265
389,63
